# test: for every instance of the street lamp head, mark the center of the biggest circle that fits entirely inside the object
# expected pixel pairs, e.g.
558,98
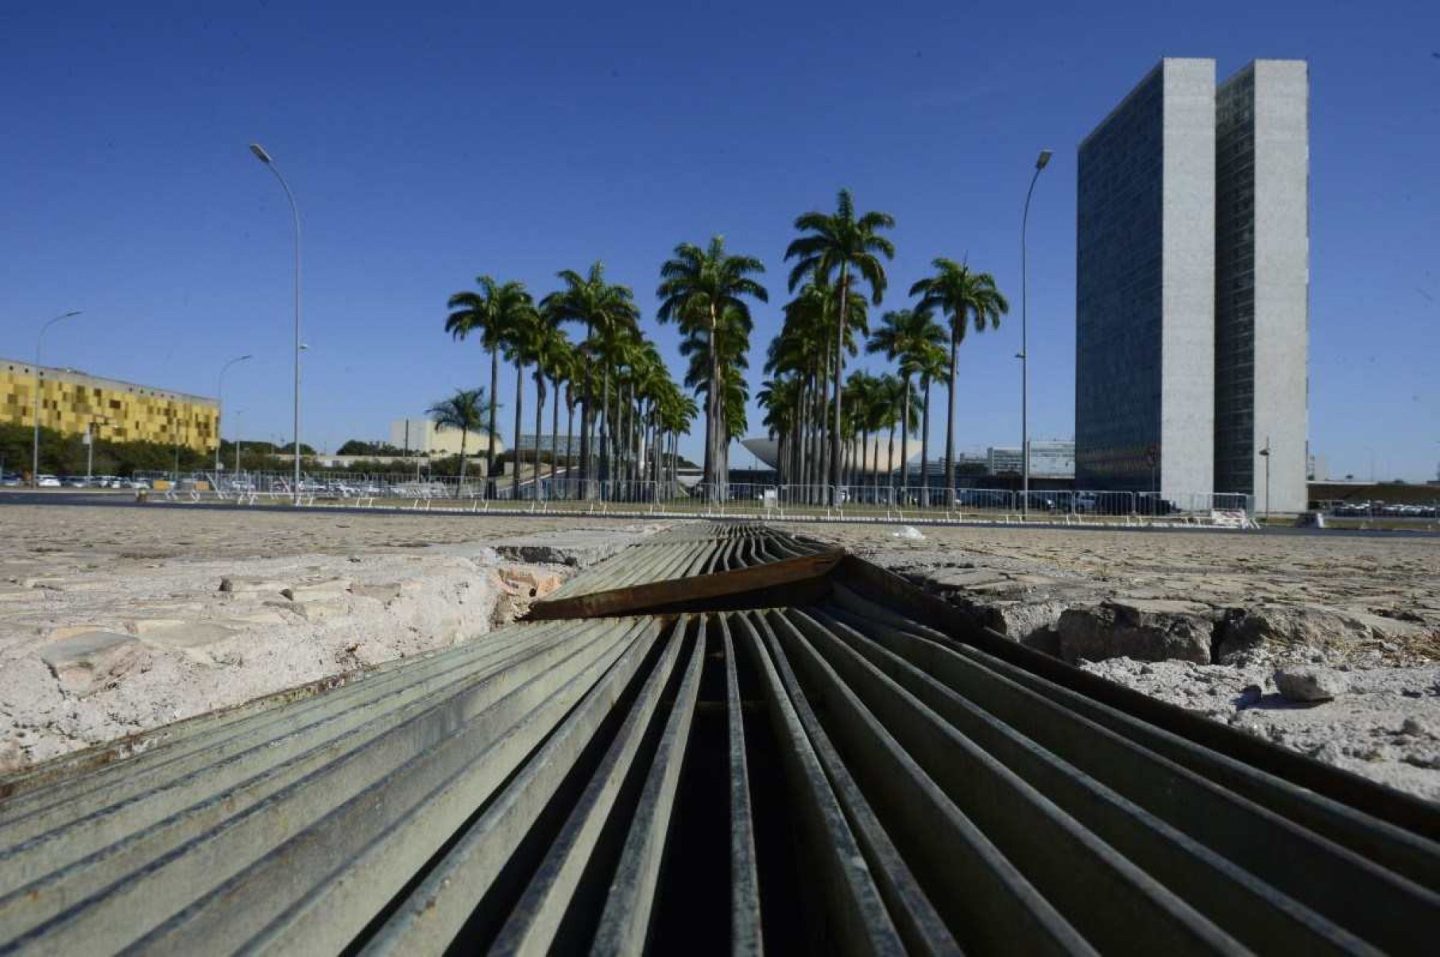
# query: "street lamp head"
260,153
243,358
1040,161
69,314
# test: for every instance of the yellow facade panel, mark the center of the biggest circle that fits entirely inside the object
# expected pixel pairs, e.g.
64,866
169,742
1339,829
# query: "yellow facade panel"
73,402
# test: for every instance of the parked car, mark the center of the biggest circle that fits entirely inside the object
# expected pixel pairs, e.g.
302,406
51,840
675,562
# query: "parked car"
138,483
47,481
9,480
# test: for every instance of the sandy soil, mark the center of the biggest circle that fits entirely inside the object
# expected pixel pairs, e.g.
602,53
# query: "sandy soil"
114,620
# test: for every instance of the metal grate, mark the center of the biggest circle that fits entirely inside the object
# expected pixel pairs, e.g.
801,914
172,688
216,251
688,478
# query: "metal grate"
837,777
687,551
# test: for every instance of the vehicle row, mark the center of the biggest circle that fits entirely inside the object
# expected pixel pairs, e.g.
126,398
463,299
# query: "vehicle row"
1387,510
47,480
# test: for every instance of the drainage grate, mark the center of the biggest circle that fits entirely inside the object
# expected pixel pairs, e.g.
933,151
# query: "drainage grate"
690,550
859,772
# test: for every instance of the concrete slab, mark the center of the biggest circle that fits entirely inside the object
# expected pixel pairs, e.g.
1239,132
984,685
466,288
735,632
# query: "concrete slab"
86,662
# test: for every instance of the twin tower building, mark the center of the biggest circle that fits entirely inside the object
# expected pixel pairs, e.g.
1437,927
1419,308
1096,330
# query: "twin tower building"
1192,286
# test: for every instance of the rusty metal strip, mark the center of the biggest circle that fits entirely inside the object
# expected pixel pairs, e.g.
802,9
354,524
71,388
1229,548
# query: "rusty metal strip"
786,581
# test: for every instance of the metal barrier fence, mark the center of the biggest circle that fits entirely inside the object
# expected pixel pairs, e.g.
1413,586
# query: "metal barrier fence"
566,491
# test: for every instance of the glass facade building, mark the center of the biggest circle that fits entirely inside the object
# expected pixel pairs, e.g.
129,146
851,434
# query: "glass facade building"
1144,287
1262,246
1192,286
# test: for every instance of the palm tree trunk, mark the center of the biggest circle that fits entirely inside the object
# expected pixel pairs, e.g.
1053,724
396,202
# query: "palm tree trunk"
839,369
585,416
461,483
539,425
905,436
712,413
515,452
864,456
950,419
890,459
604,424
570,461
554,432
494,403
925,441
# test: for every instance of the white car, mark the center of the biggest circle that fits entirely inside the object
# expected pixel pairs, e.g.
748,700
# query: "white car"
47,481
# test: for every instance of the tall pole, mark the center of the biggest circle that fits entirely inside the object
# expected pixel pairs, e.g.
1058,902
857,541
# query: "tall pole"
35,444
1040,162
219,414
1266,453
264,157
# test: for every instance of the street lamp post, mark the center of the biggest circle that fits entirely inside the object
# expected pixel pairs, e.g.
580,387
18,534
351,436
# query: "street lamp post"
35,444
1040,162
220,398
264,157
1265,453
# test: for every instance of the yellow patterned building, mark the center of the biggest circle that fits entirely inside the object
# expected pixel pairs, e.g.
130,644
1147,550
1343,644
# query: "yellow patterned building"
116,411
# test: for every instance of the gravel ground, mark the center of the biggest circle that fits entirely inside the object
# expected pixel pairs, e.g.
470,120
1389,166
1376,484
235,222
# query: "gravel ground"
118,619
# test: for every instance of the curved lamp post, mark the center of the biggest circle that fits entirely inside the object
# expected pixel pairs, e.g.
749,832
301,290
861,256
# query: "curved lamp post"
264,157
220,397
1040,162
35,444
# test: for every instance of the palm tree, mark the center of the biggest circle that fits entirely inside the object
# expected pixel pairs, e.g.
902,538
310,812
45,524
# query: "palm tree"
845,244
812,319
487,314
965,297
731,338
466,411
906,336
931,366
896,398
520,344
561,364
606,310
546,345
700,289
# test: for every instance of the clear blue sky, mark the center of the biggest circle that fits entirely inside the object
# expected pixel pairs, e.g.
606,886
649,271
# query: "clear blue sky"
429,145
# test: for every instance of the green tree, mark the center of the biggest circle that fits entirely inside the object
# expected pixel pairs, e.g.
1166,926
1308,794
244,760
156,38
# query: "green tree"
488,314
607,311
931,366
848,247
966,298
524,335
465,410
907,337
701,290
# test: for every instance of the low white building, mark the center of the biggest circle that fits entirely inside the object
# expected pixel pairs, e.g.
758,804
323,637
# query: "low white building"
424,437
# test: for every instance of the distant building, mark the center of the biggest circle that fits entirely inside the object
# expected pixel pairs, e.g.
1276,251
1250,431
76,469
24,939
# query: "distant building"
1191,287
111,410
560,445
1052,459
424,437
1048,459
